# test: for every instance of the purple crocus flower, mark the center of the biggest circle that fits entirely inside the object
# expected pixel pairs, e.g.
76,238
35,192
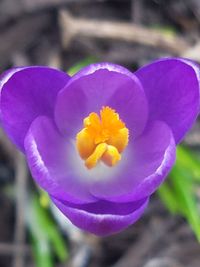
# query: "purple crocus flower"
100,142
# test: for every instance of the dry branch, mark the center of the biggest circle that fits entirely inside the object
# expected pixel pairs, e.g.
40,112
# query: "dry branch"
129,32
20,35
10,249
21,180
193,52
31,5
21,173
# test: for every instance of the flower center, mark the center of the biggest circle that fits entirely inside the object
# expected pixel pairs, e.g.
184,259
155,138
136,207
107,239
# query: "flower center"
103,138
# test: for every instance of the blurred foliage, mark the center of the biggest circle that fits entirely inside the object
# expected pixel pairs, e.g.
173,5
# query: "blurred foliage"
167,30
180,192
78,66
44,199
45,235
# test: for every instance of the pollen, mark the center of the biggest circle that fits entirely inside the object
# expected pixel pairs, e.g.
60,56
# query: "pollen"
102,139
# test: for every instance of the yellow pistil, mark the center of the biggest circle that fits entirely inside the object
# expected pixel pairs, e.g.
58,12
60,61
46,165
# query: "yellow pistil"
103,138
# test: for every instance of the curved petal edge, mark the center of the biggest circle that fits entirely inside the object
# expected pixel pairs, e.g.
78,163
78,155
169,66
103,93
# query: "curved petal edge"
172,86
26,93
102,224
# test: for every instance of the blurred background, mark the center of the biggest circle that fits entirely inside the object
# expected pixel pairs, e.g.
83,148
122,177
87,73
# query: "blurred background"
69,34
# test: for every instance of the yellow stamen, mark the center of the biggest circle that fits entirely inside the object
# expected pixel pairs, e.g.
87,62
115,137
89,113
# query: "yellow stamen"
103,138
85,144
119,140
111,156
96,156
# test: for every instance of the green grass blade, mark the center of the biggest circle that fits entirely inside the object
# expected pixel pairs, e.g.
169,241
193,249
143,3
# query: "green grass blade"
42,225
189,161
74,69
39,240
42,252
183,189
168,198
178,192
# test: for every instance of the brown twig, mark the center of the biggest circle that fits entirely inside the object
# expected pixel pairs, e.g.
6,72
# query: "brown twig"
18,36
136,254
7,146
193,52
72,27
9,249
21,178
31,5
21,173
136,11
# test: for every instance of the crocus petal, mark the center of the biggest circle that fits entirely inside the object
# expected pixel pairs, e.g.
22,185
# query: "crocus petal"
144,166
103,218
48,158
172,89
156,105
96,86
26,93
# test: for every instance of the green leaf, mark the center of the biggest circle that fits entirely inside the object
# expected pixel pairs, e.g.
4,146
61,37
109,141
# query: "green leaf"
185,197
39,239
178,192
167,30
74,69
188,161
44,198
168,198
41,251
45,234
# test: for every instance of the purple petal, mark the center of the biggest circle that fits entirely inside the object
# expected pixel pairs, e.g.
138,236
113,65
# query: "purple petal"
142,169
25,94
172,89
96,86
103,218
48,156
